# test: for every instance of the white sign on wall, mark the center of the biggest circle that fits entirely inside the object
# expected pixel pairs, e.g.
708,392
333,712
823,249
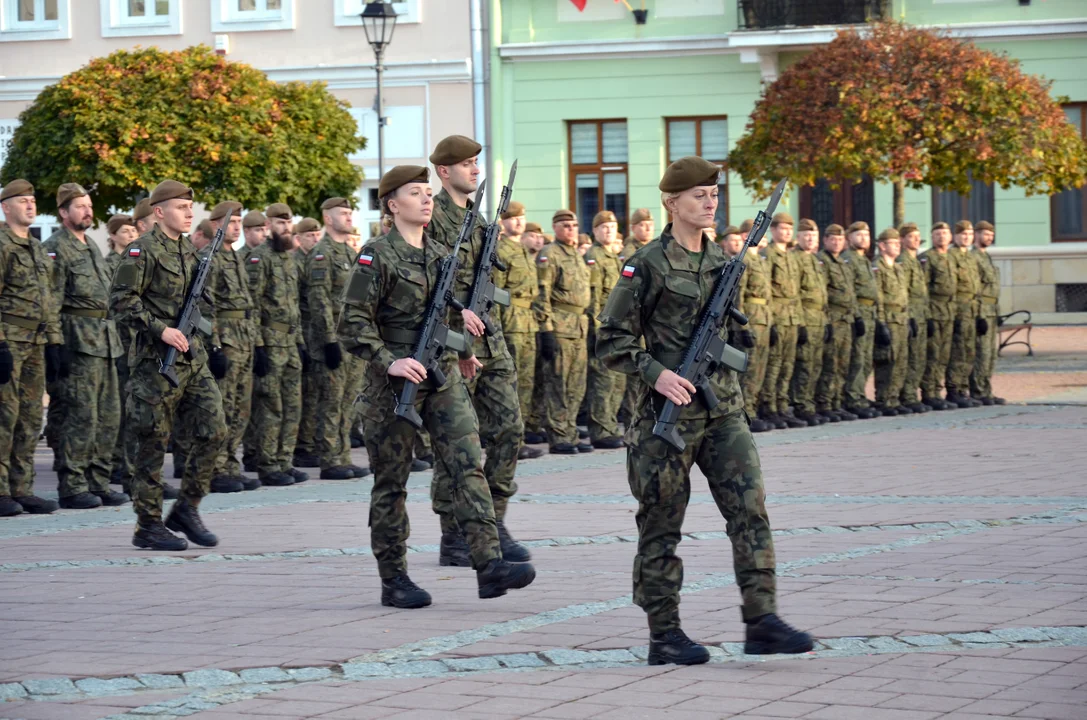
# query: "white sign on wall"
405,132
7,130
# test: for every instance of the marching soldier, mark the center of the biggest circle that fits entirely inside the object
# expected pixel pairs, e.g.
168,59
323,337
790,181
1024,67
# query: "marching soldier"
981,379
306,234
533,241
941,270
641,234
918,334
813,327
255,231
968,324
844,323
658,299
604,388
754,302
143,218
891,354
121,232
785,332
864,285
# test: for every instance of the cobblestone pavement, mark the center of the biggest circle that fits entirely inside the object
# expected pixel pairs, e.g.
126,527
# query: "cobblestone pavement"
941,561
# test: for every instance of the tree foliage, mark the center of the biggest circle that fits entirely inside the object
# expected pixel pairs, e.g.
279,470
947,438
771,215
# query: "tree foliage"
125,122
914,107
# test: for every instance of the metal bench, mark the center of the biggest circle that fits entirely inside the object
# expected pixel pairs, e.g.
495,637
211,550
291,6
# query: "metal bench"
1009,332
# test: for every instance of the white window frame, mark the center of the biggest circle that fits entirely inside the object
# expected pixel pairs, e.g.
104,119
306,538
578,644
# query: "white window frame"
11,30
226,18
116,21
348,12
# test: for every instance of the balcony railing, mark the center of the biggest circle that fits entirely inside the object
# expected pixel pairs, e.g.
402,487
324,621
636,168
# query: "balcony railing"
772,14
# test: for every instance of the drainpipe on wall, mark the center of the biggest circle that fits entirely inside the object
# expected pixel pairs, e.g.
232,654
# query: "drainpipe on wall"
479,97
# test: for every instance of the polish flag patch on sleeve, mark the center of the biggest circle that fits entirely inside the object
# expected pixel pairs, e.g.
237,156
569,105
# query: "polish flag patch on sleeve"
319,257
254,260
52,255
590,261
628,271
541,259
133,252
366,259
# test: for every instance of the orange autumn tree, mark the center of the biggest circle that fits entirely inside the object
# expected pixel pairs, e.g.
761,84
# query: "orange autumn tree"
912,107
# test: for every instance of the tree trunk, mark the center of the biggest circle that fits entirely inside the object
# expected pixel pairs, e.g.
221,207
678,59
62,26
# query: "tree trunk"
899,202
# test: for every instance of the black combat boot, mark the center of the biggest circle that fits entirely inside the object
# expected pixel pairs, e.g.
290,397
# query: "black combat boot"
297,475
9,508
769,635
827,416
110,498
277,479
844,415
155,536
225,484
920,407
169,492
530,453
306,460
401,592
608,443
793,421
584,447
564,449
534,438
760,425
810,418
502,575
360,472
956,399
511,549
341,472
80,501
997,400
418,465
903,410
454,551
247,482
673,646
582,434
184,518
36,505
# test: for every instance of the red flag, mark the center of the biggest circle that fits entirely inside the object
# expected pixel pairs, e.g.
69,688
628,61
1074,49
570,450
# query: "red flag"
579,4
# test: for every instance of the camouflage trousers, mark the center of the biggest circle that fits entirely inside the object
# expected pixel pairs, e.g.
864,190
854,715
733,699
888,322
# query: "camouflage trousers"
981,379
89,425
774,396
448,416
891,365
964,338
493,393
918,352
937,357
832,376
236,388
860,361
153,407
277,406
752,380
422,448
660,481
121,460
307,423
564,390
604,392
806,371
21,418
536,421
522,347
336,393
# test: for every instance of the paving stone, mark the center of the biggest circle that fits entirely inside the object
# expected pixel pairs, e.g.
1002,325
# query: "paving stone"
476,663
264,675
10,691
49,686
564,656
1070,635
160,682
100,688
641,652
354,671
614,656
887,644
1020,634
416,668
974,637
211,678
925,640
520,660
309,674
851,644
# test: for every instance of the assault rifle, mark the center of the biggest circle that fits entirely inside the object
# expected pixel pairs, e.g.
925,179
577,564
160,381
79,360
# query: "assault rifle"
485,295
707,352
435,336
191,319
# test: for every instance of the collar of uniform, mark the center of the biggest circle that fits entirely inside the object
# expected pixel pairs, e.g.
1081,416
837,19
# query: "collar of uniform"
678,258
431,252
444,201
8,232
568,249
600,248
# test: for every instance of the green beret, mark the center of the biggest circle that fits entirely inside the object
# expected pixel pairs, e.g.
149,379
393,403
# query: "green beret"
279,210
985,225
68,192
206,229
219,211
253,219
888,234
856,227
336,202
687,173
906,228
119,221
170,190
143,209
834,229
940,226
515,209
563,215
306,225
454,149
533,227
746,225
400,176
782,218
962,226
604,216
730,230
807,224
640,215
16,188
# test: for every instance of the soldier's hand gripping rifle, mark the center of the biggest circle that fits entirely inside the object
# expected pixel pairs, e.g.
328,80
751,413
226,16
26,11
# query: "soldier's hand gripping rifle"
707,352
435,336
190,320
485,295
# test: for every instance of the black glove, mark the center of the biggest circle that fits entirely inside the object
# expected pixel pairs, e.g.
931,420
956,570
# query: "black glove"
747,339
930,326
261,364
981,325
333,355
7,364
54,363
304,357
858,327
773,336
802,337
957,327
828,333
547,344
217,363
913,328
883,335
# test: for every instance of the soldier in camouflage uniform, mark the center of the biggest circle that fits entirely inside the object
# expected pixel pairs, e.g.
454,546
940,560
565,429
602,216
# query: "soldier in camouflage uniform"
641,234
785,333
753,300
87,414
307,233
891,354
813,327
148,293
385,305
533,241
981,379
918,335
842,314
255,232
864,285
659,298
560,305
28,321
731,241
941,270
968,323
604,388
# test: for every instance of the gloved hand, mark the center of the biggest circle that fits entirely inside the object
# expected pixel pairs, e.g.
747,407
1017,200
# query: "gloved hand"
217,363
747,339
828,333
858,327
802,336
957,327
883,335
913,328
930,325
981,325
307,361
547,344
773,336
7,364
261,364
54,363
333,355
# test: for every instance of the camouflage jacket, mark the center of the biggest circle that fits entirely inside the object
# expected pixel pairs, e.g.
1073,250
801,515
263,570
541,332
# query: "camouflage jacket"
940,273
813,289
81,280
326,270
989,295
754,291
967,283
231,311
864,280
917,284
300,259
274,286
630,247
841,299
894,293
29,309
113,261
660,297
519,279
604,268
784,286
564,291
149,291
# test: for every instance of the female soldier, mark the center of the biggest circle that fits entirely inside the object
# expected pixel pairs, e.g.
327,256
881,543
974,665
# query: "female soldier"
386,302
659,297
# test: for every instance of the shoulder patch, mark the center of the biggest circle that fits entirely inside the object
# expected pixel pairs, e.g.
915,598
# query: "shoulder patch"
254,260
126,275
590,261
318,257
541,258
52,255
628,271
133,252
366,259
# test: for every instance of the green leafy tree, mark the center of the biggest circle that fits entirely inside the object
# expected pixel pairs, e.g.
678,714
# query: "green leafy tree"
913,107
125,122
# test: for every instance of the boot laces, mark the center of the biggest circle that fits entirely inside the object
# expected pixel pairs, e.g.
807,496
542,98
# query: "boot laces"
403,582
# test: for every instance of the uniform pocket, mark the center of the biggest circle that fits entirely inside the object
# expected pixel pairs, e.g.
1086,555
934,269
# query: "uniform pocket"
409,292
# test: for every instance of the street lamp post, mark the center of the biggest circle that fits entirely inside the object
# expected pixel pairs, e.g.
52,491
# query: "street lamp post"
378,22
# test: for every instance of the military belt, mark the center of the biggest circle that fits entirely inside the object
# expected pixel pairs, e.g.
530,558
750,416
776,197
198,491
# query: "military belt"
567,307
840,306
85,312
990,301
278,326
231,314
755,301
521,302
895,307
396,335
812,304
866,301
25,323
938,296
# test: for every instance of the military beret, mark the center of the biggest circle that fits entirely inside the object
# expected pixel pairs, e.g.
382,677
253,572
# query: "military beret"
940,226
985,225
689,172
746,225
640,215
219,211
399,176
306,225
454,149
807,224
254,218
533,227
906,228
338,202
16,188
206,229
856,227
563,215
834,229
170,190
888,234
68,192
963,226
782,218
730,230
279,210
583,239
604,216
515,209
119,221
143,209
